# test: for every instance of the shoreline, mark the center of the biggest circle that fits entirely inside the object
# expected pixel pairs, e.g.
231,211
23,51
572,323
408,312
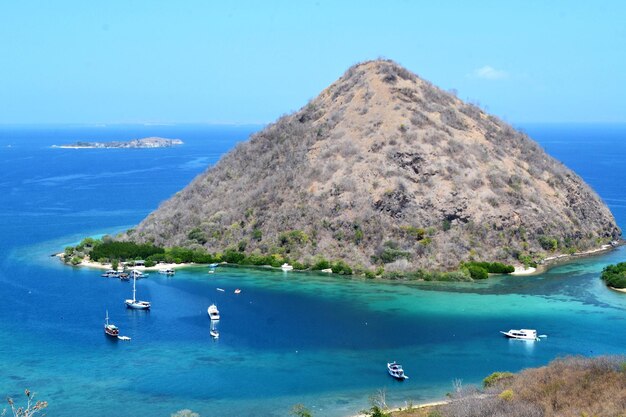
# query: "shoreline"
520,270
407,408
98,265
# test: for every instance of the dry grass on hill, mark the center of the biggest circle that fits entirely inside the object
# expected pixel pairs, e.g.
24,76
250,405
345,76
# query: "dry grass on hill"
383,168
569,387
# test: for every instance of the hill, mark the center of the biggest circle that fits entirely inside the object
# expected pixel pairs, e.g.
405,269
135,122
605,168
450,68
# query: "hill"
383,168
571,386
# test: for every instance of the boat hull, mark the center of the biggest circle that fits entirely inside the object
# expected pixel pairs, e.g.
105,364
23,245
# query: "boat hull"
137,305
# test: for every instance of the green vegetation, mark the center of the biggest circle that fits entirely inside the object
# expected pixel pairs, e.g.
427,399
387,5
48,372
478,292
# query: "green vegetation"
549,243
106,250
123,250
615,275
495,378
481,270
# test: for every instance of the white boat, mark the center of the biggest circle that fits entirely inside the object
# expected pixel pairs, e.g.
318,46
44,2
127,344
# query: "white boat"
134,303
286,267
213,312
213,265
134,273
168,271
111,273
524,334
109,328
396,371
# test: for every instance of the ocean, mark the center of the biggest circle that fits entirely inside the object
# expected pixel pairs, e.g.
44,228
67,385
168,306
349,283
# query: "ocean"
288,338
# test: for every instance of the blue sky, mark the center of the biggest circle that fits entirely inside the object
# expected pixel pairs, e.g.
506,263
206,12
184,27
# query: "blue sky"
250,62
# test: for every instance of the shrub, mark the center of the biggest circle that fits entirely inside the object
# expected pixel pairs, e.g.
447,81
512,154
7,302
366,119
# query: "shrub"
495,378
198,235
233,257
492,267
477,272
341,268
548,243
320,264
506,395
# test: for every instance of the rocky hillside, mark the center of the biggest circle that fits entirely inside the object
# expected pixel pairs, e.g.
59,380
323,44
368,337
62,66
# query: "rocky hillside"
383,168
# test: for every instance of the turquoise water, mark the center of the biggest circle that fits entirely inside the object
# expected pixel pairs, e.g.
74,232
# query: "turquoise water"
287,338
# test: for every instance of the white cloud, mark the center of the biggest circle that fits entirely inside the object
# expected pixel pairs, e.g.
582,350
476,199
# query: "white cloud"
489,73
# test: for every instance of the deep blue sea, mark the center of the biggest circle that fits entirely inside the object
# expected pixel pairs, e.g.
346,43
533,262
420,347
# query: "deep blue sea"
288,338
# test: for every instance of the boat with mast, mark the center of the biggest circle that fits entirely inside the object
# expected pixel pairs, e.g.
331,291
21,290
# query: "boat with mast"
110,329
134,303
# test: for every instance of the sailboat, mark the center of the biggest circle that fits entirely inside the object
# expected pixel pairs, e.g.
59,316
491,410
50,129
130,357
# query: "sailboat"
134,303
109,328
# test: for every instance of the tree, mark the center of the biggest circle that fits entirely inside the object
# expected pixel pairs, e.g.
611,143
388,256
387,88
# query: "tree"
30,410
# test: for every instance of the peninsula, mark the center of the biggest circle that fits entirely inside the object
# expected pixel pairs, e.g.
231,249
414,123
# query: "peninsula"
389,175
151,142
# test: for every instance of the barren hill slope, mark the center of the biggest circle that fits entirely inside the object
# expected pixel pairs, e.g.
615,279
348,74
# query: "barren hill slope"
385,168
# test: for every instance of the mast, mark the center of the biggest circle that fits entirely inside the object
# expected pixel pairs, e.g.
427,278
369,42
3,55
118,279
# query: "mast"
107,318
134,290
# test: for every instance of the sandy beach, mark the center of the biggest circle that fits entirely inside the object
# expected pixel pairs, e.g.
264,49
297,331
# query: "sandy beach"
93,264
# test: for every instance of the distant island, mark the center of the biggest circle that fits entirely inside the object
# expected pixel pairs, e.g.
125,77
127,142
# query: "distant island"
152,142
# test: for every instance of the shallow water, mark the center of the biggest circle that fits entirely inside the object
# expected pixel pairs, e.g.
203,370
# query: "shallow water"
287,338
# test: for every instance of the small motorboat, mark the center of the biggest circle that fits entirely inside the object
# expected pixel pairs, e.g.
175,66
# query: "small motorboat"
109,328
111,273
396,371
124,338
213,265
286,267
523,334
237,291
124,276
167,271
213,312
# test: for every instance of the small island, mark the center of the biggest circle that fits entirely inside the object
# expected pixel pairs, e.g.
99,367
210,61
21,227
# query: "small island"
151,142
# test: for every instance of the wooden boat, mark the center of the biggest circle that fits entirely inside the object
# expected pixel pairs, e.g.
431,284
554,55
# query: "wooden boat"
110,329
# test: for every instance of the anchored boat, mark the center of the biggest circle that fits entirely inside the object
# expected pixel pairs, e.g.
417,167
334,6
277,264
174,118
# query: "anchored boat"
523,334
214,313
109,328
396,371
134,303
